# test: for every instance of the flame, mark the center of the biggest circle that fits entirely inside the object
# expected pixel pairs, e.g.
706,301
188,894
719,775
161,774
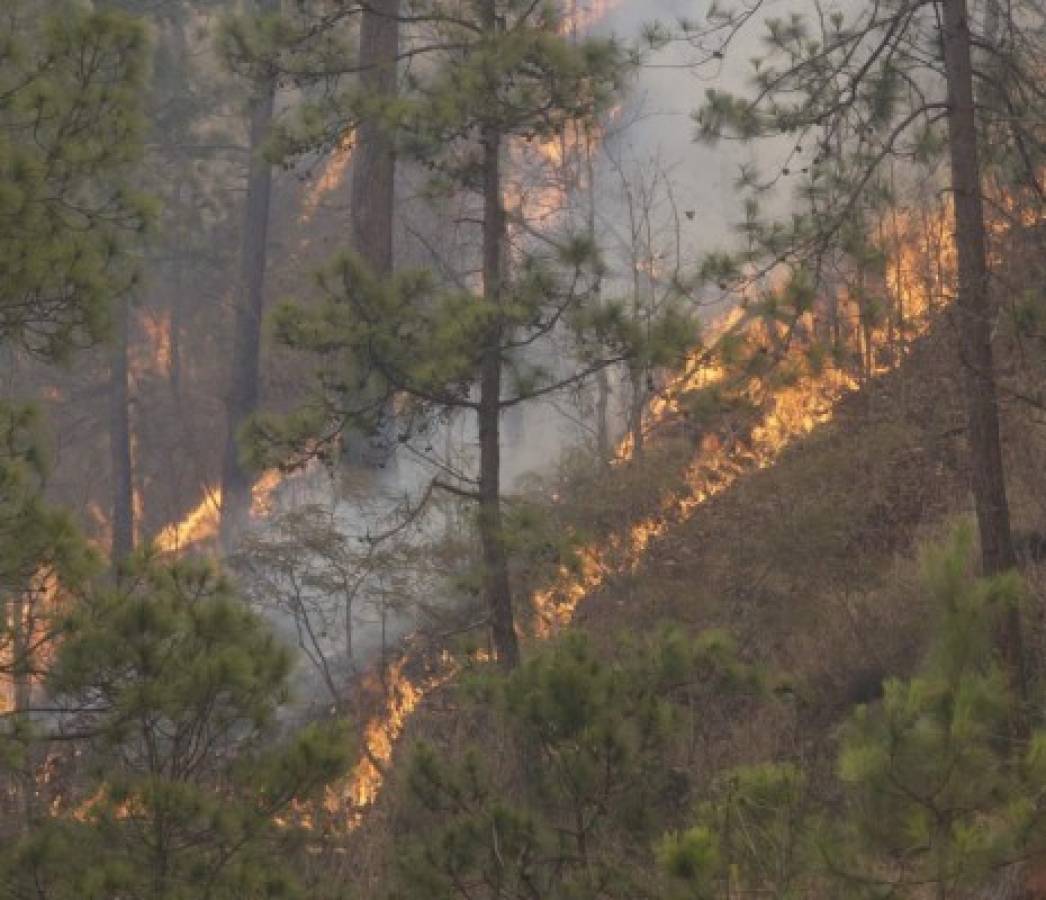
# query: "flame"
263,492
697,373
203,522
26,622
154,355
790,413
921,262
587,14
331,176
402,697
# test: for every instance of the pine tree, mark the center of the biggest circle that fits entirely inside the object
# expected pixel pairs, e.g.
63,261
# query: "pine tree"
247,335
70,123
166,174
374,161
932,797
572,809
70,127
504,74
43,562
173,687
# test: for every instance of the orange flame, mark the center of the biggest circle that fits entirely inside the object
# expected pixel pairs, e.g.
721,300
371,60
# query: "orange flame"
154,355
331,177
586,14
791,412
402,697
24,633
202,523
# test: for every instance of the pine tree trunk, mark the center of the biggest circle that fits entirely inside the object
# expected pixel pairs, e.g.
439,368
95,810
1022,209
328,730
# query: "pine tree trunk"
120,438
177,303
374,163
178,240
374,185
496,586
637,405
603,416
243,394
974,313
602,378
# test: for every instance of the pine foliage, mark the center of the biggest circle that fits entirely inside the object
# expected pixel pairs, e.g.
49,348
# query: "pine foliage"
70,125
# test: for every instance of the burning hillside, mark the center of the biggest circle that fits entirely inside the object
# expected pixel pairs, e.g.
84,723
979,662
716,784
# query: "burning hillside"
607,460
788,413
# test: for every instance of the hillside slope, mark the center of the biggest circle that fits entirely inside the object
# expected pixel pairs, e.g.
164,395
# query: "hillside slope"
811,563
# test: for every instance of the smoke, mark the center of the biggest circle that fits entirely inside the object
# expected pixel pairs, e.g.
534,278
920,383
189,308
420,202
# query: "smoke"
654,128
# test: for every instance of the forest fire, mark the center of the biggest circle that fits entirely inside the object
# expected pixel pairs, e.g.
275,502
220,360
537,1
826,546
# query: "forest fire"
791,411
202,523
920,264
331,176
26,645
153,355
794,411
401,697
471,260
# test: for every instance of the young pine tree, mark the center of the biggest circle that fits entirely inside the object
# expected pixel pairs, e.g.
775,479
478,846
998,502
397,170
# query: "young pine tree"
572,813
172,686
43,562
932,795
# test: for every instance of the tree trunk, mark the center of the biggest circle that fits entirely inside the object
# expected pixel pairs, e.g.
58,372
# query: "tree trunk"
603,416
496,586
637,406
374,163
602,378
974,311
182,201
177,301
374,190
243,394
120,437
